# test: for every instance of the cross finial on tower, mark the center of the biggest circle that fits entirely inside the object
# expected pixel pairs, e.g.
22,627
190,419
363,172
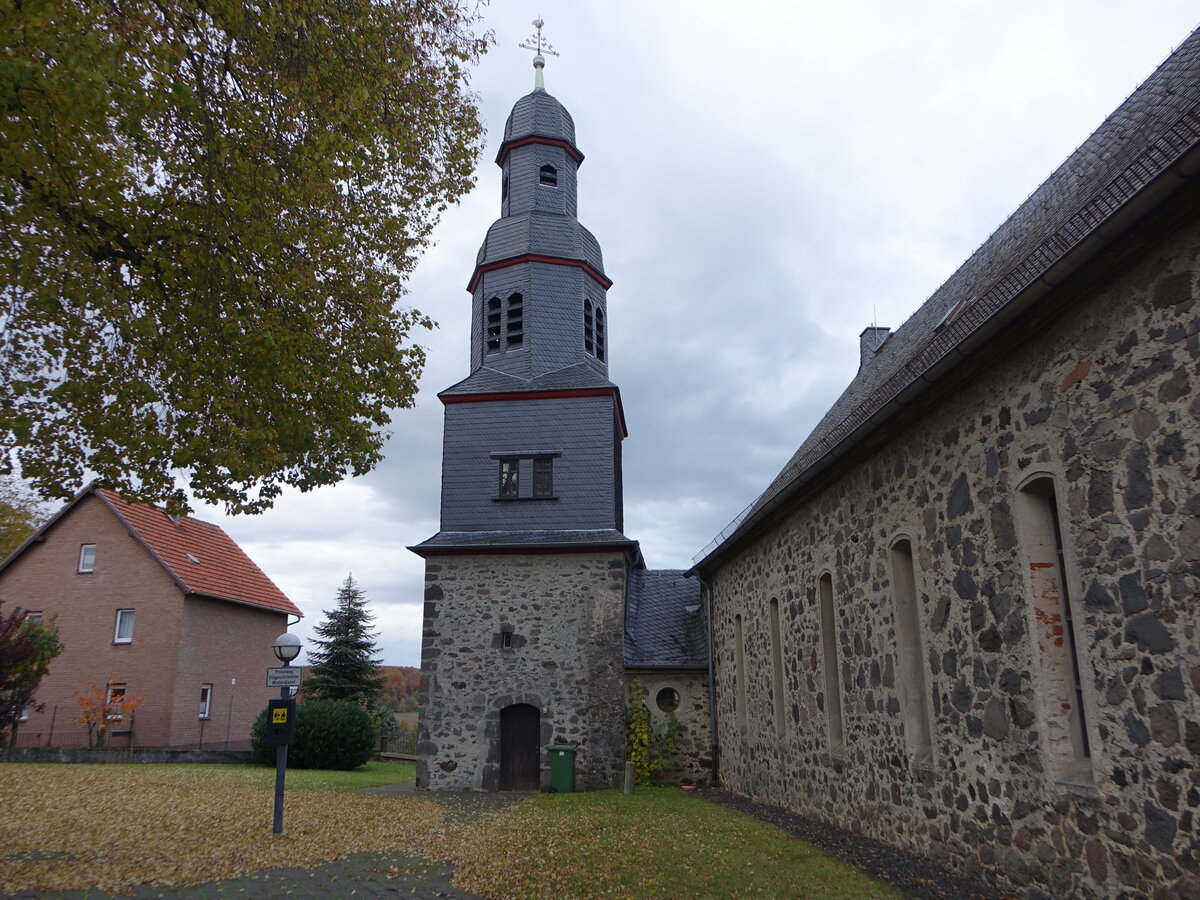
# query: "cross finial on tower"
538,45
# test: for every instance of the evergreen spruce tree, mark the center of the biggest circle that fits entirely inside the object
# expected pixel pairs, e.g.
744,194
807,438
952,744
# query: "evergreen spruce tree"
343,669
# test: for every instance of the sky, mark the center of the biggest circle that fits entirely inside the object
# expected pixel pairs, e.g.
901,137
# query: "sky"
765,182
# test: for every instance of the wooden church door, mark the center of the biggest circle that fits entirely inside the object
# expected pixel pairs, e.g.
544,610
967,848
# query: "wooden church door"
520,753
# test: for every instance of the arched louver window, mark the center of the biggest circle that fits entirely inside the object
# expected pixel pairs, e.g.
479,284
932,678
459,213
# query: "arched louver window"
492,327
600,334
589,328
515,329
548,175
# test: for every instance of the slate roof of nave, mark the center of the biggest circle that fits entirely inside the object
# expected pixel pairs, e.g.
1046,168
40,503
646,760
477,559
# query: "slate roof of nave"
542,233
539,113
485,380
664,625
1151,130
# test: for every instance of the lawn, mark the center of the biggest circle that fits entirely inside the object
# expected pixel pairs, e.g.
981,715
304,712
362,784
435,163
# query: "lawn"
69,827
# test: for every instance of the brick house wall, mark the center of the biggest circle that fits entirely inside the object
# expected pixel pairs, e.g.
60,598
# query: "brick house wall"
1102,404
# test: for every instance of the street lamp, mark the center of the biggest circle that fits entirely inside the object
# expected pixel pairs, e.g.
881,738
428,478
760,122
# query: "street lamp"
283,720
287,648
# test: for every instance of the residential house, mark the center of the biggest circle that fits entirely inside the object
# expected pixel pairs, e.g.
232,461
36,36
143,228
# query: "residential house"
147,604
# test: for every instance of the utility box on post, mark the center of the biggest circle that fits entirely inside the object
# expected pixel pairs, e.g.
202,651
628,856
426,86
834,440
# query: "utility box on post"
281,720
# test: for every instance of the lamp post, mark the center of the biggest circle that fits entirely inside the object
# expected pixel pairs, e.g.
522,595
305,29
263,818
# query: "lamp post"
283,716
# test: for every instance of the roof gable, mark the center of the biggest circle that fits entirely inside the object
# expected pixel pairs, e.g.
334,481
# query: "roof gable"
200,556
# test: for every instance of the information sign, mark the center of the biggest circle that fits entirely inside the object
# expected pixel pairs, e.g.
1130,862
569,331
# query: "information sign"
284,676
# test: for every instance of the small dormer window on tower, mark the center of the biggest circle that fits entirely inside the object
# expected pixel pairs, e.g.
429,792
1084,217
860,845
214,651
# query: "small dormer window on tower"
548,175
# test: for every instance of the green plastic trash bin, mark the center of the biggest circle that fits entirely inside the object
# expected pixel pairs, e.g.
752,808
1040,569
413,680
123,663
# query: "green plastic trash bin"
562,767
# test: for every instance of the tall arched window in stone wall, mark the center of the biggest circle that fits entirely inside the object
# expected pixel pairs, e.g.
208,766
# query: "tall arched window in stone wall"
913,689
833,681
739,673
777,669
1057,651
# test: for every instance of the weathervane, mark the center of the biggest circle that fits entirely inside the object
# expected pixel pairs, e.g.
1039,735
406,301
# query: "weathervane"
538,45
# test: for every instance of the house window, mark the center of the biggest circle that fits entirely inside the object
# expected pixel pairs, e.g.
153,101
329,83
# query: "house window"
506,640
123,633
543,476
87,558
833,682
33,618
777,669
205,700
548,176
510,485
114,701
910,654
1060,685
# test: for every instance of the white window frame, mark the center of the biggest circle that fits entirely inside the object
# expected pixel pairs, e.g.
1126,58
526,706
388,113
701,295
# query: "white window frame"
128,638
205,700
116,688
87,559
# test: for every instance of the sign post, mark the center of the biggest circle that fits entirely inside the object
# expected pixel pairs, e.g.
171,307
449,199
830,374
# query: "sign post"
281,716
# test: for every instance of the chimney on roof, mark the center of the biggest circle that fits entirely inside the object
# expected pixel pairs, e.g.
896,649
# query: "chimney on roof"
869,342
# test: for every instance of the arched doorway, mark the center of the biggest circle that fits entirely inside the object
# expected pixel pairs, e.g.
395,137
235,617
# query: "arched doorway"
520,751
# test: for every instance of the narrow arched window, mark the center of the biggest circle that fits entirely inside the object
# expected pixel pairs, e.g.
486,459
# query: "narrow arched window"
599,334
777,707
1059,654
548,175
739,651
589,328
504,189
910,653
833,682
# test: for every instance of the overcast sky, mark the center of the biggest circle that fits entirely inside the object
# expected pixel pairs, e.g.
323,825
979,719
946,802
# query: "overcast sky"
765,182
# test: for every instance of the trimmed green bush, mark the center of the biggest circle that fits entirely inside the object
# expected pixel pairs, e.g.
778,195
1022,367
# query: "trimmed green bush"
330,734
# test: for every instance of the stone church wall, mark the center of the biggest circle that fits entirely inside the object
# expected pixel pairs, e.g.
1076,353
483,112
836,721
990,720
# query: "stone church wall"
977,768
695,743
564,612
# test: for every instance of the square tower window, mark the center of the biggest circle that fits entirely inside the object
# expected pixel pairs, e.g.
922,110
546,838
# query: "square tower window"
510,479
548,176
543,476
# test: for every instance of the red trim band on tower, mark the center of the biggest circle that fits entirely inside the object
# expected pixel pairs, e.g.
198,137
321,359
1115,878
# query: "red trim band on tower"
571,149
595,274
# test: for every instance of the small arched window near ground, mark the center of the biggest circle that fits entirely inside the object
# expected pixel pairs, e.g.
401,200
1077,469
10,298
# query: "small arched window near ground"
667,699
548,176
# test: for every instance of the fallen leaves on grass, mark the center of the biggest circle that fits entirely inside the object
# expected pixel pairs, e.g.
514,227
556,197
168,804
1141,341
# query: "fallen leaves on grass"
115,827
656,843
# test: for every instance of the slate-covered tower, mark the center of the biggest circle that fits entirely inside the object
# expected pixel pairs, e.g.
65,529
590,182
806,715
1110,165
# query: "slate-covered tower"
526,580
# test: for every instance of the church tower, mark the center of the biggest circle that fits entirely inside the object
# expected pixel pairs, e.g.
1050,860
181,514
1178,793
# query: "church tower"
525,581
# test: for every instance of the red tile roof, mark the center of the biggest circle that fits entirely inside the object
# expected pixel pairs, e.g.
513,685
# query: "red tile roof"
200,556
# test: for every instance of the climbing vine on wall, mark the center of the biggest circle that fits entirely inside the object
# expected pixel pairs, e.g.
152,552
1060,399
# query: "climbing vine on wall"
637,732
